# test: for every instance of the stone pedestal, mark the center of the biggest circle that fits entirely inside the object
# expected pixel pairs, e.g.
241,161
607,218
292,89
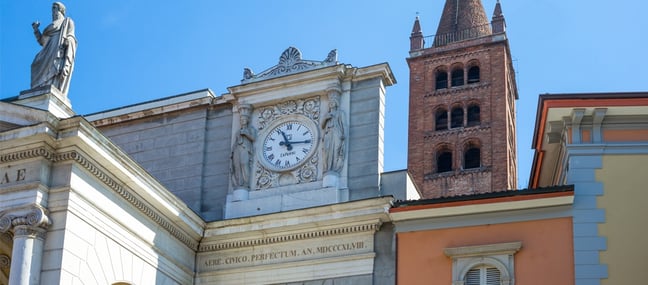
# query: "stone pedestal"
331,179
240,194
47,98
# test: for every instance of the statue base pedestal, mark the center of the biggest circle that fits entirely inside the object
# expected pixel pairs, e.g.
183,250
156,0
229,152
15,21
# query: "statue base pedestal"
331,179
240,194
47,98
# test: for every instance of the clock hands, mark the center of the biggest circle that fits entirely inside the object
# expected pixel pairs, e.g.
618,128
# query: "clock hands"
288,143
305,141
285,141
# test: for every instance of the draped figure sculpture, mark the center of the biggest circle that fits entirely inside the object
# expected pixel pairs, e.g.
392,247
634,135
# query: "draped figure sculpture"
243,150
54,64
333,138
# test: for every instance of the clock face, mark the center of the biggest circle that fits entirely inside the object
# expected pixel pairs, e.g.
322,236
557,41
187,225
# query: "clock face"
288,145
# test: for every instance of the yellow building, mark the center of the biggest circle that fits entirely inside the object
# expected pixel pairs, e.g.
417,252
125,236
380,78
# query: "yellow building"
599,143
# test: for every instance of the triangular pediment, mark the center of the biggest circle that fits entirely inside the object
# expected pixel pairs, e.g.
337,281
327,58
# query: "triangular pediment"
13,116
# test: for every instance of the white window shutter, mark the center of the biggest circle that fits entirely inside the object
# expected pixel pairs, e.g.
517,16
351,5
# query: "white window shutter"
483,275
492,276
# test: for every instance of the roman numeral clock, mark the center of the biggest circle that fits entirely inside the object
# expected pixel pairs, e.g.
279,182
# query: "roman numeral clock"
287,144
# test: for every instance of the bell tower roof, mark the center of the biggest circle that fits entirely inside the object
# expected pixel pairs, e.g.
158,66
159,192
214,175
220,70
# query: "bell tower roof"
461,20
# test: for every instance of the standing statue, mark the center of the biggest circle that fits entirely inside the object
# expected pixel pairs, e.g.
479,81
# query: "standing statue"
333,138
243,150
54,64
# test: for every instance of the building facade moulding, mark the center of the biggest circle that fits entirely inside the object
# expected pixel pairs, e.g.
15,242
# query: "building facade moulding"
471,54
51,155
42,151
129,196
297,236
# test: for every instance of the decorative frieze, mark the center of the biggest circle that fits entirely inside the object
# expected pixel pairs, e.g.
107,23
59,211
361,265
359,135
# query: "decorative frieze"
454,57
311,244
431,135
372,227
27,154
474,87
309,107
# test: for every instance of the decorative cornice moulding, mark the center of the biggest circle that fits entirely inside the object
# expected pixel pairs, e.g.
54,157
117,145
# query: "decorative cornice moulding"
342,230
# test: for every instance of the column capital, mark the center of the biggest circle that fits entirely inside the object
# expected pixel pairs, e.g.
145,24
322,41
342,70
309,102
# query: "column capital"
29,221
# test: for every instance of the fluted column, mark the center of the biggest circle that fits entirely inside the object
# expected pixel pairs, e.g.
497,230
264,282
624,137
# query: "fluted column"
29,229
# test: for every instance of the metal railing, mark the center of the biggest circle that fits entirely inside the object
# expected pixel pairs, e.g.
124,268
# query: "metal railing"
447,38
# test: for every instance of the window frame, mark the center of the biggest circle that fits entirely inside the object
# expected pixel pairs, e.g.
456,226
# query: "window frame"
437,114
439,72
444,151
500,256
470,79
471,114
461,81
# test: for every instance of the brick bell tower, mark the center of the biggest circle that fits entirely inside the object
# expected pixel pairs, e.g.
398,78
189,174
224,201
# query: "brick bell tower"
462,136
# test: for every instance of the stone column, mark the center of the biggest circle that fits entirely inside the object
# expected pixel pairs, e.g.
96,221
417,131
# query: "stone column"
29,231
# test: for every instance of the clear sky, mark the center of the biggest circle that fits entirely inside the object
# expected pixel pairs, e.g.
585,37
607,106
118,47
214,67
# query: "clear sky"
135,51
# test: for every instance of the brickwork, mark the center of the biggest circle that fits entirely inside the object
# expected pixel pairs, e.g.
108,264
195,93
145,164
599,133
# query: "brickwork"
461,15
495,95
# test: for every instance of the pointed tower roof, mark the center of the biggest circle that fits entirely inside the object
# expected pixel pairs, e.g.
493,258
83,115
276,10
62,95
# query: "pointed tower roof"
416,29
416,39
498,10
462,20
498,23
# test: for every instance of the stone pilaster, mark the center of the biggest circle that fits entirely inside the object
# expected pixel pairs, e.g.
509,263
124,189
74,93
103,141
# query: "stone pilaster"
29,227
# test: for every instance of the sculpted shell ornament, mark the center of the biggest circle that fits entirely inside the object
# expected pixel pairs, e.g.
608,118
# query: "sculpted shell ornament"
290,56
290,61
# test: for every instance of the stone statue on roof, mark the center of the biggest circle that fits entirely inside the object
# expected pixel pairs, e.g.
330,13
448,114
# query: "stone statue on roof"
54,64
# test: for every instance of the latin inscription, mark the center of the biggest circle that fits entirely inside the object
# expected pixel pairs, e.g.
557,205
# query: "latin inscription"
13,176
254,258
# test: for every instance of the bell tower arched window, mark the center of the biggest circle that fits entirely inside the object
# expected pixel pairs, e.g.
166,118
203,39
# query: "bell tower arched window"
472,157
456,117
444,161
441,119
457,77
473,115
473,74
441,81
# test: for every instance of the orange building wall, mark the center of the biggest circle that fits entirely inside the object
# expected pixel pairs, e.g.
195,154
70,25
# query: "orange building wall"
625,135
546,256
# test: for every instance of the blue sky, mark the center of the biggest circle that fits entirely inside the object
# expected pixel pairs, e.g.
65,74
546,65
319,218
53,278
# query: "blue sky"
135,51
